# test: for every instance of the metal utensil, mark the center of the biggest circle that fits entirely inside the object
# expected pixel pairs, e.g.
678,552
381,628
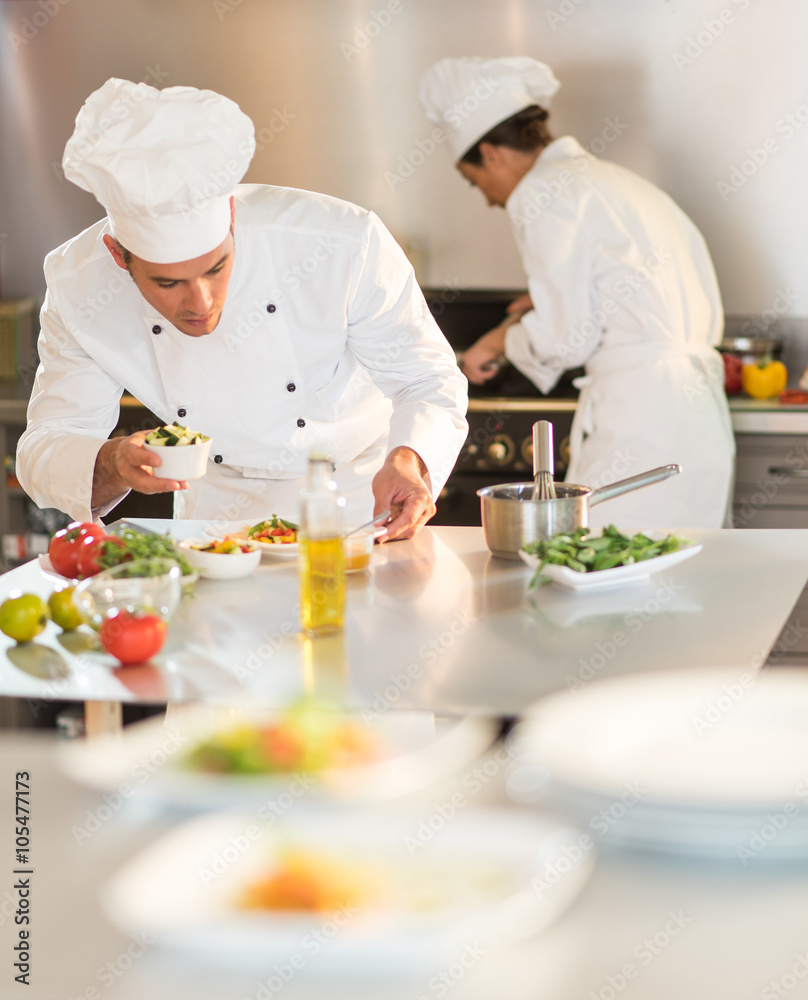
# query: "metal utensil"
543,463
511,517
123,525
368,524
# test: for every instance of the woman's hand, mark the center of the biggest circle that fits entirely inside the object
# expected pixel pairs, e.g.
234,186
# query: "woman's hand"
520,306
478,361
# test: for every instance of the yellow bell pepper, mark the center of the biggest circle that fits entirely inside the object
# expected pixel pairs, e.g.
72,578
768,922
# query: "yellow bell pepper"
764,380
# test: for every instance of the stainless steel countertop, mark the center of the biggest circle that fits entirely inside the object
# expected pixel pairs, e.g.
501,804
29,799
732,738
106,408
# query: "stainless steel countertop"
437,624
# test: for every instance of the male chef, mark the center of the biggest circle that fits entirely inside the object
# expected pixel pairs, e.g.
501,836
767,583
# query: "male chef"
276,321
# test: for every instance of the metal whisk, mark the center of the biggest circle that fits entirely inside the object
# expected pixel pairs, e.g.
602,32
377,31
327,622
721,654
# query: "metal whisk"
543,464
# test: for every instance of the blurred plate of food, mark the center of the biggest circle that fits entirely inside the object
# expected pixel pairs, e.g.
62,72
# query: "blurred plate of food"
213,757
348,893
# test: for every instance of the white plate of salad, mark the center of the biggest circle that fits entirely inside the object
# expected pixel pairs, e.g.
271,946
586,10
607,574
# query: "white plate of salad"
625,559
275,536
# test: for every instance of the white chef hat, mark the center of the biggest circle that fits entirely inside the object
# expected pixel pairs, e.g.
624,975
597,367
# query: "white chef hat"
468,97
162,163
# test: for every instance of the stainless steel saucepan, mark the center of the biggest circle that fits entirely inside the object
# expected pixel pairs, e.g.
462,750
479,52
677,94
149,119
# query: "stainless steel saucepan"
511,518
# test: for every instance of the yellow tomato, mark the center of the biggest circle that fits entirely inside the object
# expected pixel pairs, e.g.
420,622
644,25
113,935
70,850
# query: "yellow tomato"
62,609
23,617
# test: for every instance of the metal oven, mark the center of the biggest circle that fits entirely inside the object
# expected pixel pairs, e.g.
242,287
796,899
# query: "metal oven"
499,446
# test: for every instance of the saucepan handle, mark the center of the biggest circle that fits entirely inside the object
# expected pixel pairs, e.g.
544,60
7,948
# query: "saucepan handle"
633,483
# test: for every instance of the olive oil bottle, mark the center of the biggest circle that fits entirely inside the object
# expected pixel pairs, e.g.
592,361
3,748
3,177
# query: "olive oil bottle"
321,560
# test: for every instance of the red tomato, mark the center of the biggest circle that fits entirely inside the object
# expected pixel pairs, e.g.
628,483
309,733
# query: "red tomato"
87,528
133,638
732,374
89,549
65,546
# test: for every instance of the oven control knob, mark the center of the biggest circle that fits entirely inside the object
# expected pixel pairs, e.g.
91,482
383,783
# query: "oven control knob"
500,449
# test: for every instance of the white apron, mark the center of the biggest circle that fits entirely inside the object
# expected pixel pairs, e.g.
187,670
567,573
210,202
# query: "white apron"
646,405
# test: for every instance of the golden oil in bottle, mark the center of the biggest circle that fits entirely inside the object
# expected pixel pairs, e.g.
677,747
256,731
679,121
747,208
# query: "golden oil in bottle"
322,584
321,559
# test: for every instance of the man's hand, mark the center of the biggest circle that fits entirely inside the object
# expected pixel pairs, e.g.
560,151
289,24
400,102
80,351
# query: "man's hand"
402,485
123,464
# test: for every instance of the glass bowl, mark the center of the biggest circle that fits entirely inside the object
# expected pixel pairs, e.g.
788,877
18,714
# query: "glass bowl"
153,586
358,548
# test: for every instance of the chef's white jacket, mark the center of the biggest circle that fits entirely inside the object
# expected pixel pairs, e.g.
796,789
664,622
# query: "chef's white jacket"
622,283
325,337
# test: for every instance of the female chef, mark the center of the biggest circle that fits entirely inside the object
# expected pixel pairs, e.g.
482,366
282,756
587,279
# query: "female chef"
620,281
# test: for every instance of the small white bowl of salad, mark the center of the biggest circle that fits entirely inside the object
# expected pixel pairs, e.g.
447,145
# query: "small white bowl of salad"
183,453
221,558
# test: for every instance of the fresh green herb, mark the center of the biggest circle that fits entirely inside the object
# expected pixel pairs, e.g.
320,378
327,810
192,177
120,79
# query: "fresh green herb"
583,554
132,545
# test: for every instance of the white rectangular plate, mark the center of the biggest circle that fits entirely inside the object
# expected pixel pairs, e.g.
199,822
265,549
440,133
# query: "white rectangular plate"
620,576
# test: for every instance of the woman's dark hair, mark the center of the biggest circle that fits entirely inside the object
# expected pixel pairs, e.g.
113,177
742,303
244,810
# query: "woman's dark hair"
525,131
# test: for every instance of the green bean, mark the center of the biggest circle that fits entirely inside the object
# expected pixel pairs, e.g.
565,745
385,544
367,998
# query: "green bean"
589,555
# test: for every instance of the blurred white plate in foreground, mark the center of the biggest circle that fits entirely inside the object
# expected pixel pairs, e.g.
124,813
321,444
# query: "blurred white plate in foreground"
709,759
148,757
479,881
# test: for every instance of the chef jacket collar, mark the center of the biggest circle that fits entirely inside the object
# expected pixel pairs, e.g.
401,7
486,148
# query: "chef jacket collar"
567,147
